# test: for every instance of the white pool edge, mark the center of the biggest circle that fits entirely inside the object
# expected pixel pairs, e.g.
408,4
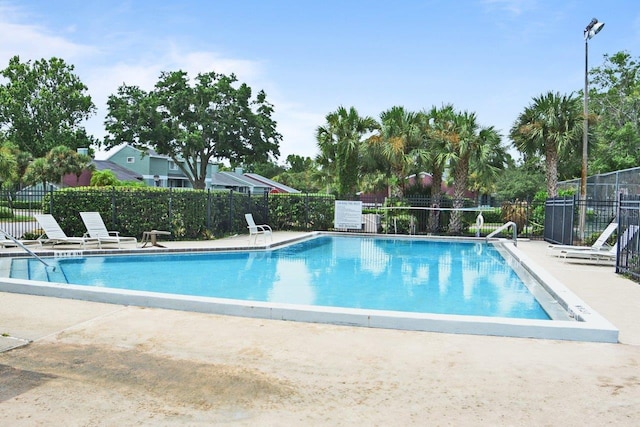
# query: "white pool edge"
589,326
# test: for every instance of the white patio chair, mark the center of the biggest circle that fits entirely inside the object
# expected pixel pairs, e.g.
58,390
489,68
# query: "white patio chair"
597,256
256,230
55,235
599,245
97,230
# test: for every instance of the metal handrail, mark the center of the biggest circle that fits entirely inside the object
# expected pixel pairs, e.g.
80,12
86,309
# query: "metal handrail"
504,227
29,251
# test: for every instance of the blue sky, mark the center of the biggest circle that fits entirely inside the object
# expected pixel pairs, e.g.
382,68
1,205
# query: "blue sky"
490,57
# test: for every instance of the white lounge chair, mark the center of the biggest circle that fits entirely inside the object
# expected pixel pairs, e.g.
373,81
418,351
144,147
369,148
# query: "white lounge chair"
599,256
599,244
256,230
54,233
6,241
97,230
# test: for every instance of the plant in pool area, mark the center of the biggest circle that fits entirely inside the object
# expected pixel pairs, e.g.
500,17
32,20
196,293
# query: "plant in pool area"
516,212
6,212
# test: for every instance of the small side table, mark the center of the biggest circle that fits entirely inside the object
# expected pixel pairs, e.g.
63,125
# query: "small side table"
152,237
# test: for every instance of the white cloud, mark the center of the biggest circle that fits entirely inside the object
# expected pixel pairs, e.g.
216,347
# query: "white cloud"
298,128
32,42
515,7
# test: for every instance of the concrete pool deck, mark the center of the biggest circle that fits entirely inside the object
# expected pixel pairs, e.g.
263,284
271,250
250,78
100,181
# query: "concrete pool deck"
103,364
559,302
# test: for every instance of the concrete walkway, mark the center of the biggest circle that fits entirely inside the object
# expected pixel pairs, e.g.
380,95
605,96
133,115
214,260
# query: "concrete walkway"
102,364
612,295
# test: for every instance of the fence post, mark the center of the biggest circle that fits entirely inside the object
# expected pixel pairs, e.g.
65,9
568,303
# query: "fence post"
265,206
306,211
231,225
113,205
208,220
51,198
170,206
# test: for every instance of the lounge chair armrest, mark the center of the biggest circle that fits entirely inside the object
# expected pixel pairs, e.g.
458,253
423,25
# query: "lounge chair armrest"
114,233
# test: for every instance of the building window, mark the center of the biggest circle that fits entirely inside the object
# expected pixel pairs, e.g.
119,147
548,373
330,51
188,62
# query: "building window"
131,160
172,165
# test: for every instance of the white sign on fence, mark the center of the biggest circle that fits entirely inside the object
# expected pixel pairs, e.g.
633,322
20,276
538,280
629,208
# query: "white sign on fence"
348,214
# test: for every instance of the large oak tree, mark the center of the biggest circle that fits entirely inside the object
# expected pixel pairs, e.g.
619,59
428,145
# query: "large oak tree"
193,124
43,104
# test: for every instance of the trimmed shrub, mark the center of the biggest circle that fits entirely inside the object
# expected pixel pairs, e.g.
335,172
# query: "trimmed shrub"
301,211
187,214
6,212
492,216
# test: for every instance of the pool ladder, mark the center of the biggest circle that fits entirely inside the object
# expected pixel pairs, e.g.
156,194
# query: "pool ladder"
504,227
29,251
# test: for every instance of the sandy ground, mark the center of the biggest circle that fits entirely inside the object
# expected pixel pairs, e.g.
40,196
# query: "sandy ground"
93,364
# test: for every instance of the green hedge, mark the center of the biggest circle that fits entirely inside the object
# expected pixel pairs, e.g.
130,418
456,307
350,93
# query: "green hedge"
22,204
492,216
301,211
187,214
6,212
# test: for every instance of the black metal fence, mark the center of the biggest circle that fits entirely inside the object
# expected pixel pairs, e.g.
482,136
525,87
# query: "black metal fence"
187,214
420,215
558,220
200,215
562,219
628,256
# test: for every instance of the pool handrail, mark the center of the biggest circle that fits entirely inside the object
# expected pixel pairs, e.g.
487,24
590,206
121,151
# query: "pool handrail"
504,227
27,250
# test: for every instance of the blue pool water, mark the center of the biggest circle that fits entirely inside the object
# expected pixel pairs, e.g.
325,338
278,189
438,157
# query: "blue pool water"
356,272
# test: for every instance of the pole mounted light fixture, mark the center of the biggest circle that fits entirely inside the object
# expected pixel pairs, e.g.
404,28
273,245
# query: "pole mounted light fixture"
591,30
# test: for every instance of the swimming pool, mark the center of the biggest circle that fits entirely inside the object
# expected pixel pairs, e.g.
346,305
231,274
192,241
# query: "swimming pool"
387,282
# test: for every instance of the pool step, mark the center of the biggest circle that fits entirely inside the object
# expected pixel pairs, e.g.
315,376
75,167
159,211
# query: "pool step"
27,269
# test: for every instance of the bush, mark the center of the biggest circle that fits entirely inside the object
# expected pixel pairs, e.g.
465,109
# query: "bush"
6,212
301,211
492,216
22,204
401,224
187,214
516,212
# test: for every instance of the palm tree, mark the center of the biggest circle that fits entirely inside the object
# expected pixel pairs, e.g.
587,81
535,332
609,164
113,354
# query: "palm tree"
437,130
341,143
470,142
485,168
40,171
63,160
550,126
399,144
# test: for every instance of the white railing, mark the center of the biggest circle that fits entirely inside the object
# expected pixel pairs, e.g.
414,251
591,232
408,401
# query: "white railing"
504,227
27,250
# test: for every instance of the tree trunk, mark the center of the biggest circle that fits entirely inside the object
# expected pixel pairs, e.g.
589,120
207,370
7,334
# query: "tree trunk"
436,199
551,156
199,184
459,187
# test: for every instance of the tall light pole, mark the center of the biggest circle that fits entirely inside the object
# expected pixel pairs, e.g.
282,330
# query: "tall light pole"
591,30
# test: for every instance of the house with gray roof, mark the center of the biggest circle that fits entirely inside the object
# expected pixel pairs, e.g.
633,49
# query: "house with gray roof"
249,183
276,187
161,171
156,169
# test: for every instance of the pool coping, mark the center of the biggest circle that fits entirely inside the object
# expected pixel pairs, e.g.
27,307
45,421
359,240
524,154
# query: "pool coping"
587,326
